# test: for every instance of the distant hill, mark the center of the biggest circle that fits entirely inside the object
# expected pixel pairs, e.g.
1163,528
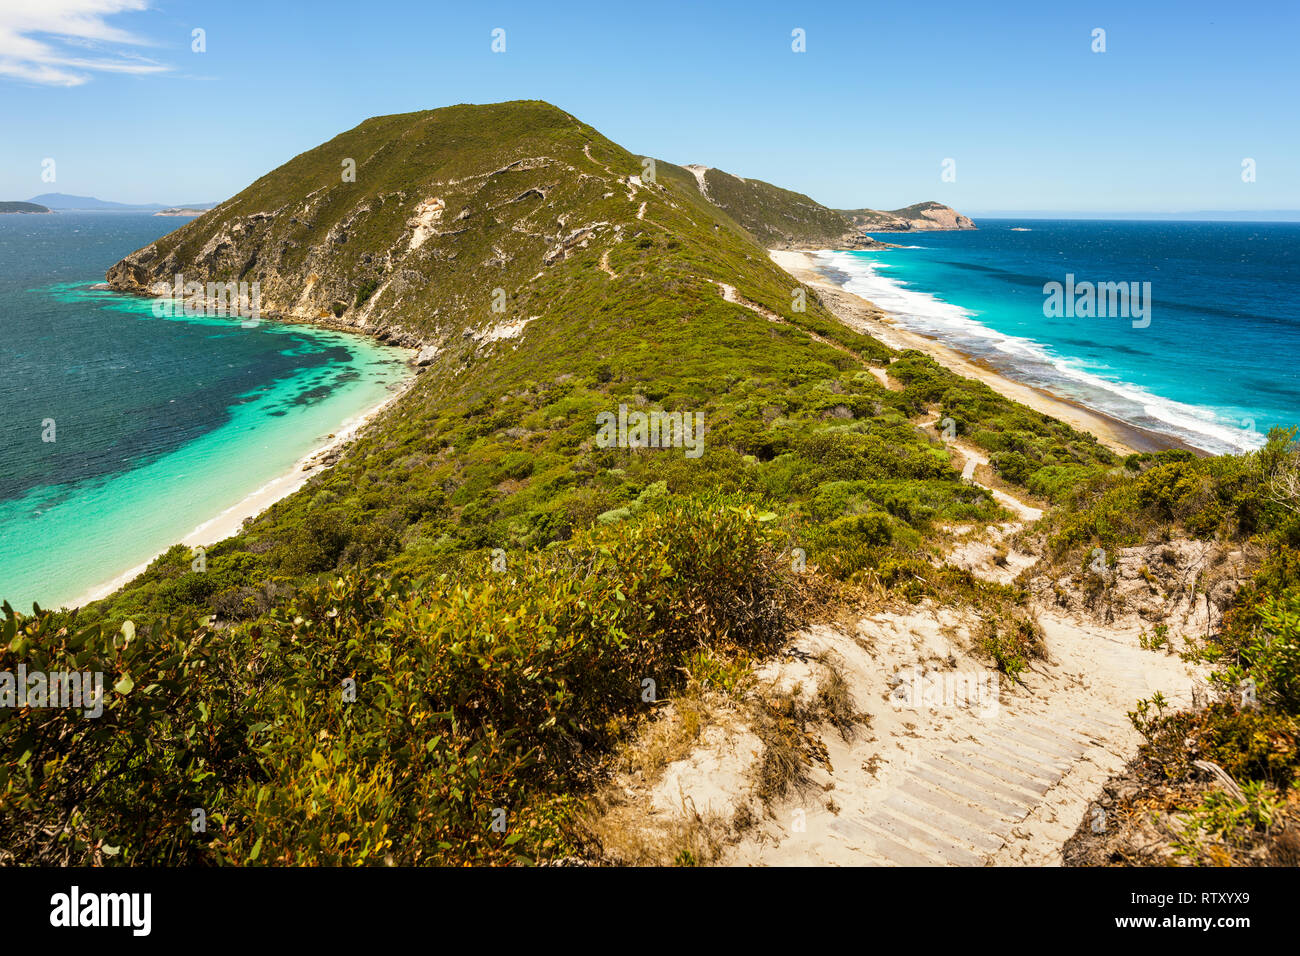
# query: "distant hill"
772,215
783,218
23,207
917,217
64,201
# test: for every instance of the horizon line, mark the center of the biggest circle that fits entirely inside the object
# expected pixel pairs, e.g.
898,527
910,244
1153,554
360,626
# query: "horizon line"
1190,215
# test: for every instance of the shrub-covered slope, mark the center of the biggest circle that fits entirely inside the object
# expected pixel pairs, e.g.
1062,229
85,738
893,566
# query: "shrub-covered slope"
457,618
1214,784
777,217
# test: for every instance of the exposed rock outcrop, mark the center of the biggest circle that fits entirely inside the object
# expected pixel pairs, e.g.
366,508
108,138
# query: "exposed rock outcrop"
919,217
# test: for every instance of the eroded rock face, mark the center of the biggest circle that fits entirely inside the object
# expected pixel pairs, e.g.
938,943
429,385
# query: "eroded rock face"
938,217
921,217
1184,585
135,272
448,223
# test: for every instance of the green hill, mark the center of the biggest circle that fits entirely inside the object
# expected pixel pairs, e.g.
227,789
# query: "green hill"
491,579
445,208
776,216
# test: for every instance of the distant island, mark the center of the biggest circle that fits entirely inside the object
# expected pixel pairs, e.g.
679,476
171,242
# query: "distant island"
23,207
63,202
182,211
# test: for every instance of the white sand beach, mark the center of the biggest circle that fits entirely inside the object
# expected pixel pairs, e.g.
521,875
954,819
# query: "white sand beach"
230,521
862,316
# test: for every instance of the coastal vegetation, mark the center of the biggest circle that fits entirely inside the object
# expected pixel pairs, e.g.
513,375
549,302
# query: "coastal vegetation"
1245,735
427,654
22,207
776,216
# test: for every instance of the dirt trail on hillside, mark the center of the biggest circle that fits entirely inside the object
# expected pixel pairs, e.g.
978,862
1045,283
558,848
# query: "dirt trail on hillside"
730,294
957,765
973,458
605,266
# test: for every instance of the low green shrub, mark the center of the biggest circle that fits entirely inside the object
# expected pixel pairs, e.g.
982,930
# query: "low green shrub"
371,720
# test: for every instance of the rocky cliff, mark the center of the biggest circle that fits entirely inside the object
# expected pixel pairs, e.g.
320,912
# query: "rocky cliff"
419,227
918,217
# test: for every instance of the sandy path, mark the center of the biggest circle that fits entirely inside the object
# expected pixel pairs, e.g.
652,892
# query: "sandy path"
1001,779
586,150
974,458
605,267
961,766
730,294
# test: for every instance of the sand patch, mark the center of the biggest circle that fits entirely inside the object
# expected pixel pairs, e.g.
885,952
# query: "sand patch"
422,223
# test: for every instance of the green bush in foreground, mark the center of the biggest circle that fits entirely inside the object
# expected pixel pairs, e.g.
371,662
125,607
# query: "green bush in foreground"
1171,494
372,720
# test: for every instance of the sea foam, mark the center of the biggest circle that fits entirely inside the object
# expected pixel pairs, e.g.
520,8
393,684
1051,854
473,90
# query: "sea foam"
1035,363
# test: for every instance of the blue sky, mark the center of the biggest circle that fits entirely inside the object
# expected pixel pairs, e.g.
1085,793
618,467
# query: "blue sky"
1012,92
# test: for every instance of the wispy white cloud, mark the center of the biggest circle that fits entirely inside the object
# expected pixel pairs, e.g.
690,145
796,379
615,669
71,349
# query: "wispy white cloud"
66,42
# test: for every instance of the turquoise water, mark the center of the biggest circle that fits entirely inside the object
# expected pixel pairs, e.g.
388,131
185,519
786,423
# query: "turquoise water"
160,424
1215,367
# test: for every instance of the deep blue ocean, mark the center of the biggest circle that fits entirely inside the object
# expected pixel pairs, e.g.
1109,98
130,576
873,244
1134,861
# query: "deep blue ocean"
1217,365
159,424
